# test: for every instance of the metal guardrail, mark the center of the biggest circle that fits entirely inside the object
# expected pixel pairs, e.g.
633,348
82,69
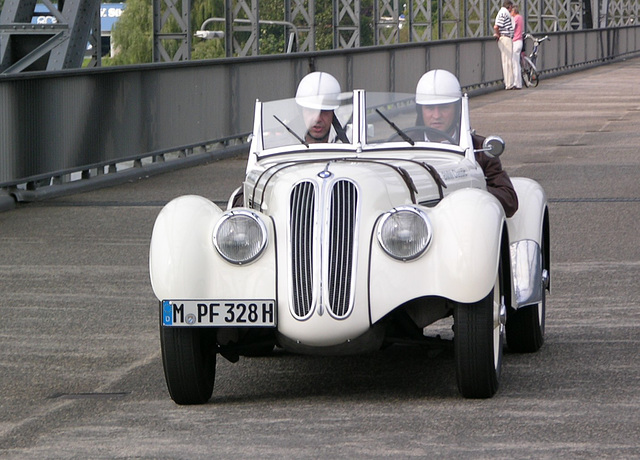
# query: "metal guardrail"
69,130
56,183
92,176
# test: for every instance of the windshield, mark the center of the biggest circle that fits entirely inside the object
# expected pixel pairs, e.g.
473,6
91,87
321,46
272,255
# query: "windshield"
389,117
289,122
396,117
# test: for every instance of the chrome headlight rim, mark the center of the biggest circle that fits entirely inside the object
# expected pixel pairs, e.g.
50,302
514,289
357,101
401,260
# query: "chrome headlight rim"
225,219
405,209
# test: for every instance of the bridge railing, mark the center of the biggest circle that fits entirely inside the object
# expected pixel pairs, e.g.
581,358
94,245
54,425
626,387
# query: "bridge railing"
68,129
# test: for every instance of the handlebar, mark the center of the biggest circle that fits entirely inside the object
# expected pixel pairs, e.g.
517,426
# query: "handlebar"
537,40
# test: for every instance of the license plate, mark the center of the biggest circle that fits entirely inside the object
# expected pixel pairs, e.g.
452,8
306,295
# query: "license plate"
219,313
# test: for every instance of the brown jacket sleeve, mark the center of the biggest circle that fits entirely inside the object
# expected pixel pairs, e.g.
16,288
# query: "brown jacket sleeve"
498,182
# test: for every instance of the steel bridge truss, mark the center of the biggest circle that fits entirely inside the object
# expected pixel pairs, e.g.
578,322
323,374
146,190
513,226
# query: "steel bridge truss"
28,46
392,21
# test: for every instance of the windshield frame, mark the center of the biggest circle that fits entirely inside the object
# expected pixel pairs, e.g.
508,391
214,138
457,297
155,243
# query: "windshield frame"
354,115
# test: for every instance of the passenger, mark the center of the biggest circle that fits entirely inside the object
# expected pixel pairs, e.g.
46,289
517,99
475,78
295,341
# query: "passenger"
319,95
439,102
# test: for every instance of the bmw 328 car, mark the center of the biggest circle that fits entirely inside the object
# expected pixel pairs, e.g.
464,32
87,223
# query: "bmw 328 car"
350,245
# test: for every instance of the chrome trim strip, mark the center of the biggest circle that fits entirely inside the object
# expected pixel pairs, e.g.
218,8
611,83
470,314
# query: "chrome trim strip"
526,271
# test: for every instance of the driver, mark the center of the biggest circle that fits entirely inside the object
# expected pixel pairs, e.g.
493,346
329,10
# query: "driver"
439,102
319,95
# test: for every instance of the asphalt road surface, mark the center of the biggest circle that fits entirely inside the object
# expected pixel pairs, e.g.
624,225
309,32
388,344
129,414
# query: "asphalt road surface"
80,368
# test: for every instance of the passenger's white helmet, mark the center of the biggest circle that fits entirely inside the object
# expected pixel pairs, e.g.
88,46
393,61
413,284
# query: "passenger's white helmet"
320,91
438,87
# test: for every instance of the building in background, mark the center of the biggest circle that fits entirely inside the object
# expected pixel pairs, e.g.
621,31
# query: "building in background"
109,15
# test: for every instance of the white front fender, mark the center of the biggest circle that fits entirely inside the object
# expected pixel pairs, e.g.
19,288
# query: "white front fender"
461,263
183,263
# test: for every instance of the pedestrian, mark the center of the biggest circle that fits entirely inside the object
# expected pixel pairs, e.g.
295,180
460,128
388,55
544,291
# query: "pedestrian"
518,37
503,31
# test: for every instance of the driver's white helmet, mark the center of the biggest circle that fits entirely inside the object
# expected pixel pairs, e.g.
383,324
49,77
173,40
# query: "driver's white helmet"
320,91
438,87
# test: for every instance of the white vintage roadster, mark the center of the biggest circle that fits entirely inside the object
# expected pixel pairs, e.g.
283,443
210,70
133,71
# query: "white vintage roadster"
348,246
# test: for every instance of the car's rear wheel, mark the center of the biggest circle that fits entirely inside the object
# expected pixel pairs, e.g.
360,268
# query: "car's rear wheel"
189,360
525,326
478,343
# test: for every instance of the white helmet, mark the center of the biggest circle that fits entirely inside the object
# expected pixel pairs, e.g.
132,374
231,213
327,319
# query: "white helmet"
438,87
320,91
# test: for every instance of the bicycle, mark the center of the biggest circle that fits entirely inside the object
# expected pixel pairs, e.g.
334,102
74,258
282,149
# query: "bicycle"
530,72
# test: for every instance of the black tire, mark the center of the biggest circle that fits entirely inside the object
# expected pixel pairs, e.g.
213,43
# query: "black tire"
534,79
189,361
478,344
525,327
526,78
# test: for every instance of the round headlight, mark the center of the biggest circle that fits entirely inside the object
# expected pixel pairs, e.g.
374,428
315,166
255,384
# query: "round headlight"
240,236
404,233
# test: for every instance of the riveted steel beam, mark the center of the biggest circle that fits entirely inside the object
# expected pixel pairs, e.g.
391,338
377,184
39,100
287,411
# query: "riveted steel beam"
25,46
171,30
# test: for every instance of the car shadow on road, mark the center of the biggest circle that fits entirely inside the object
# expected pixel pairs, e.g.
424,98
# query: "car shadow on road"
399,371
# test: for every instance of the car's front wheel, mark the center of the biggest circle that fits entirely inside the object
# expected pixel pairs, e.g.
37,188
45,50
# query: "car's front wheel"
478,344
189,360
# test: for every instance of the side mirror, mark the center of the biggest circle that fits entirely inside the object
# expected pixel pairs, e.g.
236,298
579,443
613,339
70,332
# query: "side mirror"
493,146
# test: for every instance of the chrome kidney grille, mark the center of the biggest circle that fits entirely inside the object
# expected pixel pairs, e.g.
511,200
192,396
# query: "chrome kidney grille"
344,201
302,210
340,228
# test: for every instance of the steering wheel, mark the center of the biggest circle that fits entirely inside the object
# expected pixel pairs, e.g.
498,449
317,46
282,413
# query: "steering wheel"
417,133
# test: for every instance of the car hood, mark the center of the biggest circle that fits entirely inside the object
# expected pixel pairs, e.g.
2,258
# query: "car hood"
386,182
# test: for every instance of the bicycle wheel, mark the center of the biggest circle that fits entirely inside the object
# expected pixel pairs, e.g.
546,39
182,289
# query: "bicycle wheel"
525,65
534,79
526,78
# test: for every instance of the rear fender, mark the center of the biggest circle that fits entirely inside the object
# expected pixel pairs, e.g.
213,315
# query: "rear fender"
528,228
527,222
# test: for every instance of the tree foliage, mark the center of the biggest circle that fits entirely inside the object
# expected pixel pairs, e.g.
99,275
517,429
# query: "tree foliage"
133,33
200,12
